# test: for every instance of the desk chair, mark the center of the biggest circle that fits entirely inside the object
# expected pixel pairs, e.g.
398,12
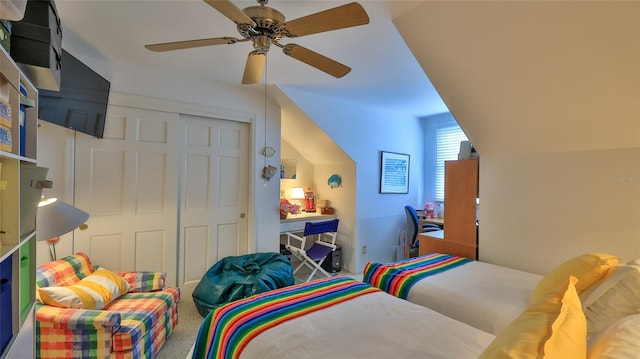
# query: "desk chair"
411,245
313,257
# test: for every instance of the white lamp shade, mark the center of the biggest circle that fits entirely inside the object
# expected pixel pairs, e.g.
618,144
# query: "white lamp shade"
56,218
297,193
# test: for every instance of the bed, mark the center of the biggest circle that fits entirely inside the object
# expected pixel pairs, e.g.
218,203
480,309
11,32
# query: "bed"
340,317
333,317
491,297
483,295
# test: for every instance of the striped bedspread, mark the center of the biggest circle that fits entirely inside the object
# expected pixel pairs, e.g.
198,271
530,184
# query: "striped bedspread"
226,331
398,278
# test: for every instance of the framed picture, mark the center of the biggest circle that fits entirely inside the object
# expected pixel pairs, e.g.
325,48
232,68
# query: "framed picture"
394,172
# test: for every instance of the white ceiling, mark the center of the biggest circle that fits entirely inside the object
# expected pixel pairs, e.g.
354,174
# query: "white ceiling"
384,72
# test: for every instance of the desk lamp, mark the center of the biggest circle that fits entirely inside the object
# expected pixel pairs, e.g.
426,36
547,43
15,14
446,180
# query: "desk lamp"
297,193
56,218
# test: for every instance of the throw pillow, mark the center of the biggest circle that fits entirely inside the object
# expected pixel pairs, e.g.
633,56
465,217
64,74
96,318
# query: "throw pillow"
95,291
553,327
587,268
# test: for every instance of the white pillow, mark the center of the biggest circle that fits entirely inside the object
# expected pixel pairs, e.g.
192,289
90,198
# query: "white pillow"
602,286
617,297
619,341
635,262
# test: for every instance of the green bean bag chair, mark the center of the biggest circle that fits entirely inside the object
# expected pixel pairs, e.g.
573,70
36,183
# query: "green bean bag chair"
234,278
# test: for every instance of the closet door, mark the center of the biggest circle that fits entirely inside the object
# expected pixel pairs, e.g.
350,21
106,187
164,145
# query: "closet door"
214,194
128,183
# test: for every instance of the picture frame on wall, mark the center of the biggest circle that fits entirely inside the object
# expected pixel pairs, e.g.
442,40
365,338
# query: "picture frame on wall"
394,173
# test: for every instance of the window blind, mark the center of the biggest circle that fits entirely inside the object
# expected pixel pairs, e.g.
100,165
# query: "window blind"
447,147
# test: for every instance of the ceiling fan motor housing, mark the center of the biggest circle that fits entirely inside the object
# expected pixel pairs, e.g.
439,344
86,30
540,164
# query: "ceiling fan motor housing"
269,22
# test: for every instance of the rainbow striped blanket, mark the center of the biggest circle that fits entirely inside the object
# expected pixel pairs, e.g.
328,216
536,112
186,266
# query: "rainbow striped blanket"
398,278
226,331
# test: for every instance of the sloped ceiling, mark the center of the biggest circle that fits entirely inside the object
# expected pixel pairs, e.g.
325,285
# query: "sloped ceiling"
532,77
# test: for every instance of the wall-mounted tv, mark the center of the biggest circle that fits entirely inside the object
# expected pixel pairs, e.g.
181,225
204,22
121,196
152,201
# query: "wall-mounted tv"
81,103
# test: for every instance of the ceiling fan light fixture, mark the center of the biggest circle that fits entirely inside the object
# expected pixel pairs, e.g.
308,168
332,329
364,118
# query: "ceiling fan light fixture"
254,67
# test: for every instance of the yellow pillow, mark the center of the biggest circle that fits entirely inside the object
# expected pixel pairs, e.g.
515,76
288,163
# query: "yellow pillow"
587,268
554,327
95,291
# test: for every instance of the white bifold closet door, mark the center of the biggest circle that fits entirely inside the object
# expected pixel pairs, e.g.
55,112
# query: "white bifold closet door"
165,192
214,195
127,182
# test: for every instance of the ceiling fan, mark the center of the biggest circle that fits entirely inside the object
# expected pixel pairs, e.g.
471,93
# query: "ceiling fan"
264,26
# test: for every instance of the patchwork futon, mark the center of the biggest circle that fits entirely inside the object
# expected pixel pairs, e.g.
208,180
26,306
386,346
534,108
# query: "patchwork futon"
89,312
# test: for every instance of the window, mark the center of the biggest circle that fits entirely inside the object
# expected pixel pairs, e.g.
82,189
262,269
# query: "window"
447,147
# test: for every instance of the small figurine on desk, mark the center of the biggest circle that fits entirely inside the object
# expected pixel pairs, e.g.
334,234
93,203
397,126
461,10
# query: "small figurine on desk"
430,210
309,200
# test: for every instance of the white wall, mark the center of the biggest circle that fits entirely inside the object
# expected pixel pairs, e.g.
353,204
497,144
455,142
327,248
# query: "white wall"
544,208
56,151
304,171
362,132
548,94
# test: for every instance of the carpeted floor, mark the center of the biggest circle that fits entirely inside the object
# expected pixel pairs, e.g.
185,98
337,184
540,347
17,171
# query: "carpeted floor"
184,336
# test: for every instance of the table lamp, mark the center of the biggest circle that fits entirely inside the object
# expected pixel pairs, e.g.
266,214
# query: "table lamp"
297,193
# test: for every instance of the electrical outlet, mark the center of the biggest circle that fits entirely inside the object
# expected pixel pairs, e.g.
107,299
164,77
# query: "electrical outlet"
364,249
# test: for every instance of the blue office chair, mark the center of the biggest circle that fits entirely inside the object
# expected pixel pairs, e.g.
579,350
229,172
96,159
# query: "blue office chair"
412,228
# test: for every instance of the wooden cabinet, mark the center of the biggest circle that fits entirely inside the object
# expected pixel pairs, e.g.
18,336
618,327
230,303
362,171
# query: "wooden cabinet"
18,127
460,193
434,242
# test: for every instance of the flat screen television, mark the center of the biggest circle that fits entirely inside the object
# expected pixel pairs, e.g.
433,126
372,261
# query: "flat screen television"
81,103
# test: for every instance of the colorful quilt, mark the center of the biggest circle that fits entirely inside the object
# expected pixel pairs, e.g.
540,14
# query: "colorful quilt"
398,278
227,330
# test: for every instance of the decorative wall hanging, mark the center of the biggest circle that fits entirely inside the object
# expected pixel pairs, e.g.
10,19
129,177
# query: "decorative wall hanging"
268,172
334,181
268,151
394,172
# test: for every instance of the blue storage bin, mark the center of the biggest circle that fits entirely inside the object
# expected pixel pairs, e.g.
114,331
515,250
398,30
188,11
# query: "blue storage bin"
6,319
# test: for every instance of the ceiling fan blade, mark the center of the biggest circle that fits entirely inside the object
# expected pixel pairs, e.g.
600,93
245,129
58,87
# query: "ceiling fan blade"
226,8
340,17
179,45
254,67
316,60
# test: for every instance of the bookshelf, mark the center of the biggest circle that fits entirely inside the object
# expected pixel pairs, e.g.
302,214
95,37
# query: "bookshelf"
18,201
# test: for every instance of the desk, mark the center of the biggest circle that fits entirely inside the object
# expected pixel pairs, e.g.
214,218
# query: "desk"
295,222
435,242
438,221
